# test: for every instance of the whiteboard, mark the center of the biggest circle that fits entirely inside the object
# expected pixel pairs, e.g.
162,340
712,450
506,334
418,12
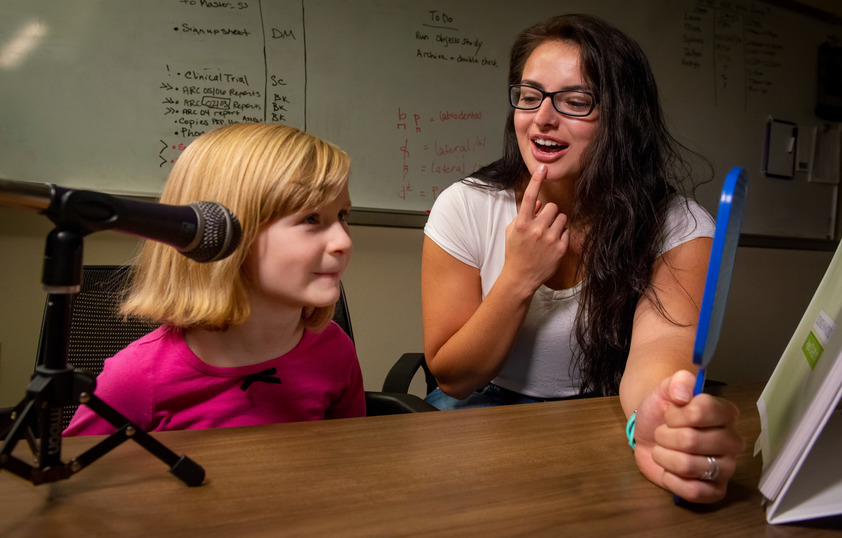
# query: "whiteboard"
104,95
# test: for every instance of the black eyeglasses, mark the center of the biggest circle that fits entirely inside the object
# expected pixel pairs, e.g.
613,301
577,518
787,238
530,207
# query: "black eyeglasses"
568,102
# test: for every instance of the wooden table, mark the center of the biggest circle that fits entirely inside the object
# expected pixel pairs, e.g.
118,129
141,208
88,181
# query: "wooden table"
560,468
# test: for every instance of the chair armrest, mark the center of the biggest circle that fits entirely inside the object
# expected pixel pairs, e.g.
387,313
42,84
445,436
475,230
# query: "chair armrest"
400,375
393,403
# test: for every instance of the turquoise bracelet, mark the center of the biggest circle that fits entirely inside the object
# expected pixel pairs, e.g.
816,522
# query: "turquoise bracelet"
630,429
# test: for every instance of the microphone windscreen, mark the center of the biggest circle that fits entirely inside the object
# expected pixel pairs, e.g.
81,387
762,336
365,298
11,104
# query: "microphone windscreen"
220,233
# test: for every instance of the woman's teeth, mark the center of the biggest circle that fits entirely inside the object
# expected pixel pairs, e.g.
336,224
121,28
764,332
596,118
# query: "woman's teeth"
549,144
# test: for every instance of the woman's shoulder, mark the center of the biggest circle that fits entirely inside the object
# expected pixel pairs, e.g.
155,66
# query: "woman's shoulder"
472,197
682,208
686,219
477,188
468,216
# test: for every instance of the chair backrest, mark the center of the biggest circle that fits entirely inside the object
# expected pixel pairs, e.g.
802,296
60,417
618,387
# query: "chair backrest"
98,331
341,314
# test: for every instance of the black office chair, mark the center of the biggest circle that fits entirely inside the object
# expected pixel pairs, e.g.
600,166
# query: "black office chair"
394,399
97,332
401,374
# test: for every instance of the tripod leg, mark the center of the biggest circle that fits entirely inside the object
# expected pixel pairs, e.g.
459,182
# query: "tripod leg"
28,415
18,427
22,426
182,467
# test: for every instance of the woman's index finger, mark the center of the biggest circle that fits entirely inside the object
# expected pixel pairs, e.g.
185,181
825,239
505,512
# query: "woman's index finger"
530,194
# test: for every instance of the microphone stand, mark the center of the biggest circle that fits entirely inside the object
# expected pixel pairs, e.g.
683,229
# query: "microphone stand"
55,384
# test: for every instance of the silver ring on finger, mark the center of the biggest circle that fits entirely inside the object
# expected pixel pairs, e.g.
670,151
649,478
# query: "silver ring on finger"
713,469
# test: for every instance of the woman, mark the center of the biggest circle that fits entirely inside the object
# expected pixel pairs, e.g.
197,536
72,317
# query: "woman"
571,267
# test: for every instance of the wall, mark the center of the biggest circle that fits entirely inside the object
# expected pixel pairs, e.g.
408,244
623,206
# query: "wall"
770,290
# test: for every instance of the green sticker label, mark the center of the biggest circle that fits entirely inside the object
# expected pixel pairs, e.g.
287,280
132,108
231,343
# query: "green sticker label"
812,350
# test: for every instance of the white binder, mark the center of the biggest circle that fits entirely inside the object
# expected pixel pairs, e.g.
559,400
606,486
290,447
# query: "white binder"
801,427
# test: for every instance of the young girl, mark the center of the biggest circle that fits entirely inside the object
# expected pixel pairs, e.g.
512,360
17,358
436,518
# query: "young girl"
249,339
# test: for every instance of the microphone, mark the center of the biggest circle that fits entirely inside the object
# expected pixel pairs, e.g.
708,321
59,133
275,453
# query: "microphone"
202,231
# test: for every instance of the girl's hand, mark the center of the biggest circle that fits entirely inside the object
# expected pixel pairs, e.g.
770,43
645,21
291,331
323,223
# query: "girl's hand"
676,433
537,238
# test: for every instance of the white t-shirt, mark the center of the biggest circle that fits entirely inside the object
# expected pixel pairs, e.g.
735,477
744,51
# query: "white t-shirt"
470,223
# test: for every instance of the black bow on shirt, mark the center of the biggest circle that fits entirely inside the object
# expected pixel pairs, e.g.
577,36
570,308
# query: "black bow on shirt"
266,376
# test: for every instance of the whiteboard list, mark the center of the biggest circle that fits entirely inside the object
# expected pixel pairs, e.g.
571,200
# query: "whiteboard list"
105,95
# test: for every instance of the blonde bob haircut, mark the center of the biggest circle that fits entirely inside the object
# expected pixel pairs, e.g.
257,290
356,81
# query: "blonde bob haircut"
261,172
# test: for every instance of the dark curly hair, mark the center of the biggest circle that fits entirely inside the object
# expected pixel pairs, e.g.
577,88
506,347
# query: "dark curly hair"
629,172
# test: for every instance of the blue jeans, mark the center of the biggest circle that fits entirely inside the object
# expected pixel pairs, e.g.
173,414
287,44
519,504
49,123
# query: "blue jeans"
489,396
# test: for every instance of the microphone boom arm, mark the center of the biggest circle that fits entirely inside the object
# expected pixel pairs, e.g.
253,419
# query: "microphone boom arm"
203,231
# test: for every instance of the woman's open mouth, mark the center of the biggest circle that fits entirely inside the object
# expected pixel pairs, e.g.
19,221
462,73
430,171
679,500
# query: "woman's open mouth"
548,147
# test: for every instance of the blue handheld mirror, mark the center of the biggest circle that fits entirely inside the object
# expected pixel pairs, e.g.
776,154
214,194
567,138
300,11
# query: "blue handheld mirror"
729,219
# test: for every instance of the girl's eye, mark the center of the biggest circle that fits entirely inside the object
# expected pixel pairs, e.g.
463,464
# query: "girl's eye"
343,216
311,219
